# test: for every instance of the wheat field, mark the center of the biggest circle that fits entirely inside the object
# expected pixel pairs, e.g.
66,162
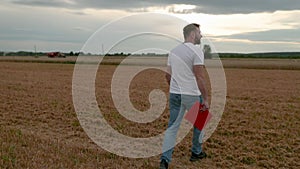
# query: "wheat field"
260,126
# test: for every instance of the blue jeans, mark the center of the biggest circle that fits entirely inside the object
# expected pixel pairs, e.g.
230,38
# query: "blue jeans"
179,104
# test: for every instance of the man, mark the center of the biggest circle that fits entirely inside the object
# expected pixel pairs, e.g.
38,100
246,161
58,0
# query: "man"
187,86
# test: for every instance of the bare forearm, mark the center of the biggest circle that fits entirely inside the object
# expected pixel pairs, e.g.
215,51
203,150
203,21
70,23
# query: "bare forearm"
202,87
168,74
168,78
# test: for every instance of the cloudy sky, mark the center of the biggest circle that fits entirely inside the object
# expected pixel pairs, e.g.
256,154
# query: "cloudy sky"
229,25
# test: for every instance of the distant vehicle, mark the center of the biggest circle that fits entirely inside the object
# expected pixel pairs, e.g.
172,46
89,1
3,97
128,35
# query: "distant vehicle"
55,55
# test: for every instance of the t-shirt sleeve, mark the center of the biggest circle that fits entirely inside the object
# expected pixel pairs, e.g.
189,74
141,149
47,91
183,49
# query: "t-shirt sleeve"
199,57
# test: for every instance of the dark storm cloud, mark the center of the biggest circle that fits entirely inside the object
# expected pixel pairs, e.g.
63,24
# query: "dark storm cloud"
202,6
39,3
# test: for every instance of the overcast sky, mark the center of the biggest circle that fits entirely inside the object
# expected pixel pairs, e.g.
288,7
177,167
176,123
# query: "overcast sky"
229,25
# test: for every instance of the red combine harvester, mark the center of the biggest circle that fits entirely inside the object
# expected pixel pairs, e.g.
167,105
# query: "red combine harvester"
55,55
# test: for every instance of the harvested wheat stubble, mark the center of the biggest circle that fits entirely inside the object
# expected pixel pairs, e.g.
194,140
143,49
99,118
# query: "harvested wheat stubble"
39,128
245,63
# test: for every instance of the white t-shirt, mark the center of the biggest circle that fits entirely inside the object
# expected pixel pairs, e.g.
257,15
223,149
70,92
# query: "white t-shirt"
182,59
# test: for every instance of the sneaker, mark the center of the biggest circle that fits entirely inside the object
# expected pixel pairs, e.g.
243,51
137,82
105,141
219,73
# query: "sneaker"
196,157
163,164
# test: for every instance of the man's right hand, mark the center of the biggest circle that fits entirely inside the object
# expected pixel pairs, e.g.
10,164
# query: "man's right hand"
206,105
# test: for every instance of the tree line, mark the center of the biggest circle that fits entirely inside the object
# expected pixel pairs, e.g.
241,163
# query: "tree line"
208,54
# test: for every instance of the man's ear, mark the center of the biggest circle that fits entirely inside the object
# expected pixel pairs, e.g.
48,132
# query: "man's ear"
193,34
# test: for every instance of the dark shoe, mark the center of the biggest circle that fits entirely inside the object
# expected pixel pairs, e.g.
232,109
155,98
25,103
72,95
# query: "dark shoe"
163,164
196,157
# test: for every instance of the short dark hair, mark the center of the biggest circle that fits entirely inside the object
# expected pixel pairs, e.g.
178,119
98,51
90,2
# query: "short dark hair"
189,28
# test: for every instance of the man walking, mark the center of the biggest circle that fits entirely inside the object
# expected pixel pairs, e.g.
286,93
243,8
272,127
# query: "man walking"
187,86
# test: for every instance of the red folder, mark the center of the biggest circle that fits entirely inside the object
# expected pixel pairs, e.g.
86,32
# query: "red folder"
198,116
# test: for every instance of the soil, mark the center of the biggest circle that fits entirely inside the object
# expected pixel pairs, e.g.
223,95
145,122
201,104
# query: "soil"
39,128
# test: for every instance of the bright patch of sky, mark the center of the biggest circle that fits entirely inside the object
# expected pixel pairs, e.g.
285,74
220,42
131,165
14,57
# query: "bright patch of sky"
66,25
